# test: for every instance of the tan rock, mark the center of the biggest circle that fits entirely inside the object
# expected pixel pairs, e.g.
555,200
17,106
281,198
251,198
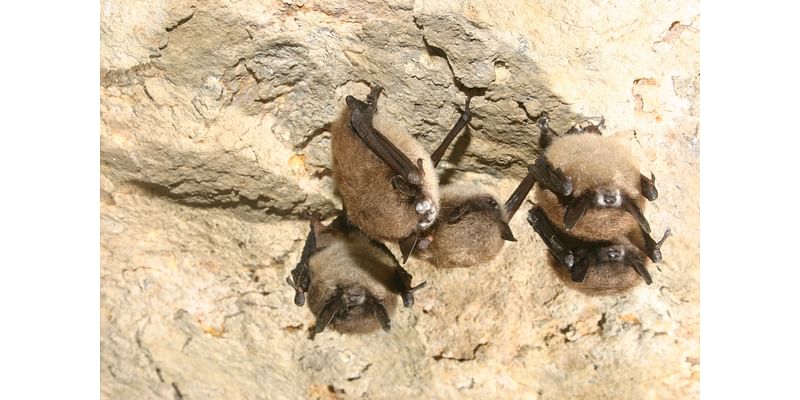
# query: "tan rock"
214,145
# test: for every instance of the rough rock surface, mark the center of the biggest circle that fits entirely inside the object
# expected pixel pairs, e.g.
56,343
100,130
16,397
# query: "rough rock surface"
214,144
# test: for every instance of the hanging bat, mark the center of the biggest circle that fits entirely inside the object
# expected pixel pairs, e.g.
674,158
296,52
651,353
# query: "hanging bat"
598,267
386,178
351,282
606,192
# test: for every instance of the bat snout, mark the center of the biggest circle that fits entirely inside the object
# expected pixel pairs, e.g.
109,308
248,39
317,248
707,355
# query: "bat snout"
427,213
423,206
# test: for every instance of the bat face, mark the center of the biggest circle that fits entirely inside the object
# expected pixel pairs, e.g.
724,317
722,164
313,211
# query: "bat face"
597,267
471,229
385,177
603,268
606,267
351,309
353,286
351,282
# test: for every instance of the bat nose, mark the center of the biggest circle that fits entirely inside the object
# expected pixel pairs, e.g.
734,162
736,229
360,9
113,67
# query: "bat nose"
355,296
613,253
609,199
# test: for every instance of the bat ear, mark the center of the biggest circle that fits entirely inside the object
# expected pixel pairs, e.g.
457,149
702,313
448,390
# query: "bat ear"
505,232
575,210
299,295
638,265
331,308
407,245
634,210
648,186
580,268
379,311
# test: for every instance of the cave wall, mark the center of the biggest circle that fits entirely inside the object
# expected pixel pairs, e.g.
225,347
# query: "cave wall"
215,119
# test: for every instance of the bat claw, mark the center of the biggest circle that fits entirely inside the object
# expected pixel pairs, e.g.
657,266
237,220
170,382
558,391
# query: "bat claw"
543,121
667,233
467,114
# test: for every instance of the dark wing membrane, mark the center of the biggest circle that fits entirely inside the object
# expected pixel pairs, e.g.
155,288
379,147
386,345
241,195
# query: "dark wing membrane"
506,233
575,210
334,305
379,312
581,267
301,278
465,117
640,268
407,245
361,124
653,248
520,193
550,177
634,210
538,220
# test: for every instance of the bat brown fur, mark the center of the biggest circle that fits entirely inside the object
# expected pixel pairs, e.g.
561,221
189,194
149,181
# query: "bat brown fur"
610,277
365,181
594,162
473,239
352,263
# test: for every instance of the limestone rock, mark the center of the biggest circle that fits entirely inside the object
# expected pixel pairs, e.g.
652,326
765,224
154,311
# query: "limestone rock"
215,147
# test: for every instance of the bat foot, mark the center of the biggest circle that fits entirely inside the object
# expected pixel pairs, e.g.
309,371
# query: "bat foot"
649,190
408,295
655,251
588,126
543,121
299,293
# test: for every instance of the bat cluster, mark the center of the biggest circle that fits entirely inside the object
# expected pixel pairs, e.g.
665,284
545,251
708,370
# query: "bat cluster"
588,211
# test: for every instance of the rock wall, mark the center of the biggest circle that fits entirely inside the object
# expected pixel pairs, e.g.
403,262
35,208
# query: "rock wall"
215,144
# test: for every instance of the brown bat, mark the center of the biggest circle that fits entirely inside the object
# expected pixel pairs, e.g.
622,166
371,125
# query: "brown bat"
599,267
591,183
386,178
352,282
472,225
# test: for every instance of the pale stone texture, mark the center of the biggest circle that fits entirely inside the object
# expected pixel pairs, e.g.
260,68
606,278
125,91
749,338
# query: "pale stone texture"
214,145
